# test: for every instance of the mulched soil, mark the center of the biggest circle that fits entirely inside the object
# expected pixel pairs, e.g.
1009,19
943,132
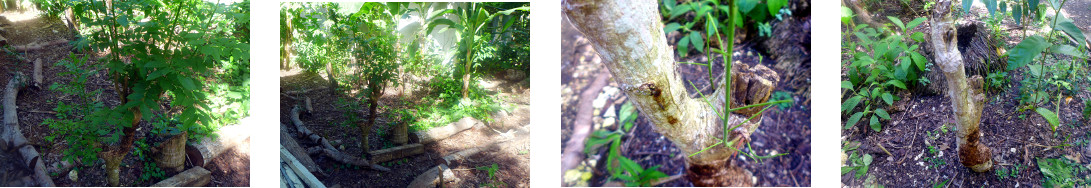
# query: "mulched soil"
1016,138
783,130
36,105
328,115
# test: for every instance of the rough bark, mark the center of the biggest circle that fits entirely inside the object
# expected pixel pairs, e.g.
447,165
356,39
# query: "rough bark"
965,94
172,154
194,177
12,137
629,37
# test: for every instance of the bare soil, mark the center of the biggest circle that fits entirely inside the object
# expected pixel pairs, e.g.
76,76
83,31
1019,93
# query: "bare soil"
327,120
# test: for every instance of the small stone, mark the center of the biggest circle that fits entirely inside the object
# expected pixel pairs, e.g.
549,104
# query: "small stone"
918,157
890,158
342,147
72,175
610,112
940,154
1013,150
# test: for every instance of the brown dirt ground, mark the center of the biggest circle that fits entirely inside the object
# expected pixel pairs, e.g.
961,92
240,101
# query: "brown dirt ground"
783,130
1016,138
513,162
36,105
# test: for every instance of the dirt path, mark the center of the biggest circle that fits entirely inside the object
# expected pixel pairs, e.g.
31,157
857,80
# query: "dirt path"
330,121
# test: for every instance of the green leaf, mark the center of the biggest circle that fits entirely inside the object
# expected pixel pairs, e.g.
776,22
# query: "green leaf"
683,46
745,6
1050,117
966,6
1003,7
187,83
851,103
1066,25
875,126
678,11
671,27
896,83
853,119
846,85
913,24
991,6
698,41
1067,50
1017,13
775,5
846,15
158,73
919,60
1025,52
889,99
847,169
897,22
882,114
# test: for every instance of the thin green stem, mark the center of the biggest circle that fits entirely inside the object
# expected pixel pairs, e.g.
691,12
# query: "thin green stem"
727,64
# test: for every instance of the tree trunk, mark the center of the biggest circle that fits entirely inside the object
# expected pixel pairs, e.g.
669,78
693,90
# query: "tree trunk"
115,154
965,94
629,37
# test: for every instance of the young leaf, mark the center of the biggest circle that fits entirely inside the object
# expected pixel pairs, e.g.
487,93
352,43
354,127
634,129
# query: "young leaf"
850,103
896,83
889,99
683,46
1050,117
679,10
875,126
846,85
745,6
1025,52
671,27
853,119
896,21
698,41
915,23
882,114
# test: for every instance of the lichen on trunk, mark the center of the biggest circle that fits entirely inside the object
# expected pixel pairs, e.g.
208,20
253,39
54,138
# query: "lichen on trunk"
966,95
629,37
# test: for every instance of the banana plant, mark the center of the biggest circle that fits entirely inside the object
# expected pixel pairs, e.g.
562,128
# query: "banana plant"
472,20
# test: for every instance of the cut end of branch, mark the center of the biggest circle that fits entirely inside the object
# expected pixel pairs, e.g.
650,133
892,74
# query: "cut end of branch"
718,173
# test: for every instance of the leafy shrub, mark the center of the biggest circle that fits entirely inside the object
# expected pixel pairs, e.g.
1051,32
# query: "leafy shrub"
885,65
618,166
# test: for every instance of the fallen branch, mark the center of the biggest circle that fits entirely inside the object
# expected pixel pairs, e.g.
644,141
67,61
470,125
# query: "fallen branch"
389,154
573,151
38,73
206,149
326,148
303,91
440,133
298,152
13,137
194,177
